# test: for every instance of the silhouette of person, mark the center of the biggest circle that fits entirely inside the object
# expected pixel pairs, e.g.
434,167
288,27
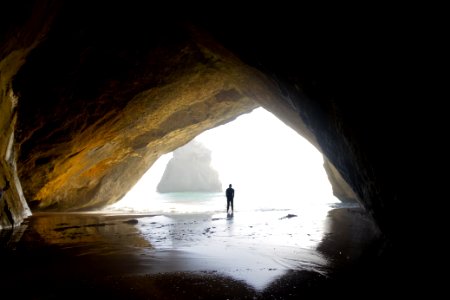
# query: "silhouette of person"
230,196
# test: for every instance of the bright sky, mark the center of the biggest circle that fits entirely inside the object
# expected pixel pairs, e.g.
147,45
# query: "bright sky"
262,157
258,151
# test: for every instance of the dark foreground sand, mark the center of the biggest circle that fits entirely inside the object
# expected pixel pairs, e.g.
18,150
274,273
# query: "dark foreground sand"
259,255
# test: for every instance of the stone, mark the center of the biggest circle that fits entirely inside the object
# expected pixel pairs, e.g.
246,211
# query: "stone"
190,170
117,103
89,103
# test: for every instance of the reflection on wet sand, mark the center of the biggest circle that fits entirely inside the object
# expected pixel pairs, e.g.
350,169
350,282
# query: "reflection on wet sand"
81,229
260,255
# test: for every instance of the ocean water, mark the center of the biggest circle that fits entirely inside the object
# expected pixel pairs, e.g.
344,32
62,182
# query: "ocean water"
204,202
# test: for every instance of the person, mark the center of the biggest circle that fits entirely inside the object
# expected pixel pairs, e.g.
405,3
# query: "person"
230,196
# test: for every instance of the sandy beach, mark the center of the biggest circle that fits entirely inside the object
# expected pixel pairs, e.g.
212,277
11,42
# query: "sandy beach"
252,255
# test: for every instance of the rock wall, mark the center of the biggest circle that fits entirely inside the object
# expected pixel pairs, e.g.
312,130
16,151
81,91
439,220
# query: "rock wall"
111,88
340,187
22,28
190,170
101,100
341,79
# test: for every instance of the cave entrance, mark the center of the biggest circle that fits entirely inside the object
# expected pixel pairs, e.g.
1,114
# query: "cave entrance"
270,166
282,197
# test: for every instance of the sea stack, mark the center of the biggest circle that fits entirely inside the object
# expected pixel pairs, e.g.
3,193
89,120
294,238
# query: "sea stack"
190,170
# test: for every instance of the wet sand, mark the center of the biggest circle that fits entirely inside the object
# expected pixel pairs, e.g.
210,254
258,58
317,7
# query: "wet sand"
258,255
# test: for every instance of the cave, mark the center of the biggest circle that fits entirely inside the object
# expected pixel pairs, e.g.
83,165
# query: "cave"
92,94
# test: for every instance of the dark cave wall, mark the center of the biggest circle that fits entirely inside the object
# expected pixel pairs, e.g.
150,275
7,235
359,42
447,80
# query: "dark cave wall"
341,75
156,79
22,27
102,99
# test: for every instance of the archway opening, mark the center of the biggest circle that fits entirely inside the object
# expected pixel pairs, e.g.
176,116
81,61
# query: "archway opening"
282,197
270,166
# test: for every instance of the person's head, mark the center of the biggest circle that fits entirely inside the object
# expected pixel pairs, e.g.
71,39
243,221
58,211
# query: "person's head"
230,185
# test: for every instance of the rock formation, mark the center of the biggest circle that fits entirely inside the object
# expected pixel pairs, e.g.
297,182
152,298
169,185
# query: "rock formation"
115,101
190,170
340,187
20,32
92,94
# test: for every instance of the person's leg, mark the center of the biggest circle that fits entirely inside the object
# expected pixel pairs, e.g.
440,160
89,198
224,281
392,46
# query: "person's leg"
232,206
228,205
